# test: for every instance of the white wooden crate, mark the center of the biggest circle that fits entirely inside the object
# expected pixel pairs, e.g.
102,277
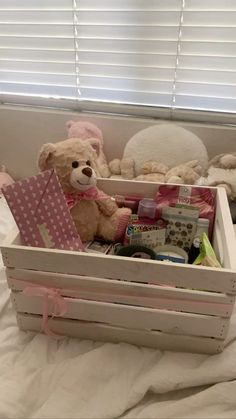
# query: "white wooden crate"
145,302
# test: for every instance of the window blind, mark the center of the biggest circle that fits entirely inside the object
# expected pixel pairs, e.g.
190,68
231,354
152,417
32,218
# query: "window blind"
172,55
206,70
37,51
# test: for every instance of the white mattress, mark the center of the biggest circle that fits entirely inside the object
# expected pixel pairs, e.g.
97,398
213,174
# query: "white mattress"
42,378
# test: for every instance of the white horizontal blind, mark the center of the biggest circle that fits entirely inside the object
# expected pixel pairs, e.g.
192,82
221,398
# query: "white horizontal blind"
206,71
127,50
37,52
155,54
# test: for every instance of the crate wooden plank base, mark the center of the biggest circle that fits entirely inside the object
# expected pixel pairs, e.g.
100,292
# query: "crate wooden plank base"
124,292
130,316
144,302
107,333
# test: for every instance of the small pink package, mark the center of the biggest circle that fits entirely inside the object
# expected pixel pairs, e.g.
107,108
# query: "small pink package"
201,197
40,210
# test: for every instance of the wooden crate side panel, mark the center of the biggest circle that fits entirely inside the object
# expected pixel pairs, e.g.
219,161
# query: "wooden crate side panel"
224,241
130,316
106,333
128,187
116,267
126,292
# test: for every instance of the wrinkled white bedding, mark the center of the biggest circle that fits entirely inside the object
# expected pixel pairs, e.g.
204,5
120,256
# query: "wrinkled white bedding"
42,378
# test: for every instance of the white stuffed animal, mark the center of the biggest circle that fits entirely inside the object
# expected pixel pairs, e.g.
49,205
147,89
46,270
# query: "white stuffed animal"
166,144
222,172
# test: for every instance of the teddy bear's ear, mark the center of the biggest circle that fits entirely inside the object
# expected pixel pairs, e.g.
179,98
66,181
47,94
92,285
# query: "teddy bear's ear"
69,124
45,153
95,143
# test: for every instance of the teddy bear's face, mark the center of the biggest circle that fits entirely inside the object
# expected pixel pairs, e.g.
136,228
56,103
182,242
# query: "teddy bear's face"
83,175
74,161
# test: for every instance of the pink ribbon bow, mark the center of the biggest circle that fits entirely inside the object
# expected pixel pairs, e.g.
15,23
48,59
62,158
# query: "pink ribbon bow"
59,305
91,194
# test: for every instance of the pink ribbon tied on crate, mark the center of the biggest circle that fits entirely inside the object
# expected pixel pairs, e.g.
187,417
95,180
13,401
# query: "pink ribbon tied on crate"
59,307
91,194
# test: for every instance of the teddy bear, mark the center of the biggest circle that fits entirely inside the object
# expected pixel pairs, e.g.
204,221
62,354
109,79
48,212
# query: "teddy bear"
161,147
85,130
153,171
221,172
95,214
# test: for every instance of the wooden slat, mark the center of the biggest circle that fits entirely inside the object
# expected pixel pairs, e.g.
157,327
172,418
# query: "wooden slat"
128,187
117,267
105,333
224,240
130,316
145,295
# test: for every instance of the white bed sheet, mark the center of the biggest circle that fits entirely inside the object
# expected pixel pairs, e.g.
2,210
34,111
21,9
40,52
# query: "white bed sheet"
42,378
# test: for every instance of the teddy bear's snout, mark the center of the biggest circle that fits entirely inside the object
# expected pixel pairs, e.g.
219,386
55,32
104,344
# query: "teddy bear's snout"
82,178
87,171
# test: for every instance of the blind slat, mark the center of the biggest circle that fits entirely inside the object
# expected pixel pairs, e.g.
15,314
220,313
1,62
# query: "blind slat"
44,90
203,5
36,66
34,4
38,78
27,16
30,55
146,98
210,18
166,61
208,49
201,33
212,76
42,43
92,4
129,5
37,30
132,85
127,71
214,63
206,103
128,46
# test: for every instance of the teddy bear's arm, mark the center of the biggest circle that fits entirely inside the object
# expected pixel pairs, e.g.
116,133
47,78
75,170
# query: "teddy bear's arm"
107,205
186,173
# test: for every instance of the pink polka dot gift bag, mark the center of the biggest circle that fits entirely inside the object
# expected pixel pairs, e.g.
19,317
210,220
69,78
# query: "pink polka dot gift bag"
42,215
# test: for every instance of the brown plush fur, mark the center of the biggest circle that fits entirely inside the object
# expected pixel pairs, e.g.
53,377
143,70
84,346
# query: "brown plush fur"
92,218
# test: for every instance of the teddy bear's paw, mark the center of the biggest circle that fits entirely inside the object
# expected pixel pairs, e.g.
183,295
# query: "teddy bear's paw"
140,178
127,168
174,179
184,174
228,161
113,228
193,164
226,186
154,167
116,177
151,177
104,171
114,167
123,215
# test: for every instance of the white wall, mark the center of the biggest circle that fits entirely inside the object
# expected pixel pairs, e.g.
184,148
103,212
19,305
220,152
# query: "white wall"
24,130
